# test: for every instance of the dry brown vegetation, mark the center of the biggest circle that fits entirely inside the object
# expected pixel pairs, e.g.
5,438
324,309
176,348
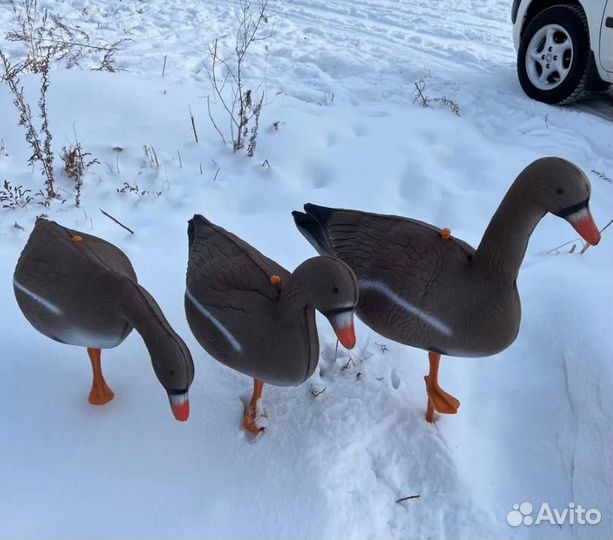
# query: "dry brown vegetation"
424,100
76,163
241,104
47,40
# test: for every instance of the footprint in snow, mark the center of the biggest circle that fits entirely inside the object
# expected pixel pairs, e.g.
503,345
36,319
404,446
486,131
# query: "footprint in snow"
360,130
319,175
395,379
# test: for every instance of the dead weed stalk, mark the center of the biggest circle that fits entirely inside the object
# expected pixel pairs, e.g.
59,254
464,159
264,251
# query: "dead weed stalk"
242,105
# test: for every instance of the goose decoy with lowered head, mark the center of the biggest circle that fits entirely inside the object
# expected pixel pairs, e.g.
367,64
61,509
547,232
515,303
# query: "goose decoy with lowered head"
81,290
254,316
422,287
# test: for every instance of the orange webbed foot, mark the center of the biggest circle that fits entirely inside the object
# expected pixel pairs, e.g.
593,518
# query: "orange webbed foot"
252,421
100,394
439,401
254,417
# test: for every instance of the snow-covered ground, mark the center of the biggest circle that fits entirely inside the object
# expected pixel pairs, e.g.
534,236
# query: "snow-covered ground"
536,421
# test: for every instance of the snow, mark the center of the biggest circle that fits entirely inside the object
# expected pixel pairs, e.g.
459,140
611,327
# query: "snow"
536,420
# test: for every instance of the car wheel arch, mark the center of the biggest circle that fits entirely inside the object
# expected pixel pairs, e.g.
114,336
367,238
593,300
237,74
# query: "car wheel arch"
536,6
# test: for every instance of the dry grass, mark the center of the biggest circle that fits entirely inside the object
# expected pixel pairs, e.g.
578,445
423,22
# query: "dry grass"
563,248
142,194
602,176
76,163
429,102
151,157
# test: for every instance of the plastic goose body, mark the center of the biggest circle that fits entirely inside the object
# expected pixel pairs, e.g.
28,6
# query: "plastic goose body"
81,290
422,287
256,317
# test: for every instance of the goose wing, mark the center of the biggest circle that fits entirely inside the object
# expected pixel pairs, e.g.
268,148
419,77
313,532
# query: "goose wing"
404,255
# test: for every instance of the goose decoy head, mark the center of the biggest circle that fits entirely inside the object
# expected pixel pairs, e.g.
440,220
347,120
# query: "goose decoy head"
333,291
175,376
564,190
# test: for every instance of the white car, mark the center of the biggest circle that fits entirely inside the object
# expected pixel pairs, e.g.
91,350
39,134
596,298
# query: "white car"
564,48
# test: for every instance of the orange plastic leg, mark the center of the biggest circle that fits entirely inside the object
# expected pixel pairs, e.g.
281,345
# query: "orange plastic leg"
250,416
438,399
100,393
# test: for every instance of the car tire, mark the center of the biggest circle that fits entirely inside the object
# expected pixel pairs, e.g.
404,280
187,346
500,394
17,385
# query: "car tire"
561,81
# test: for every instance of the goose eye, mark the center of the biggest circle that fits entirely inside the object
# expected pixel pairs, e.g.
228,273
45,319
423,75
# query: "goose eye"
559,191
335,289
172,372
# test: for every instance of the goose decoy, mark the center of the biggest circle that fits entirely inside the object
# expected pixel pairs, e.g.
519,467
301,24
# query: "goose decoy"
254,316
81,290
422,287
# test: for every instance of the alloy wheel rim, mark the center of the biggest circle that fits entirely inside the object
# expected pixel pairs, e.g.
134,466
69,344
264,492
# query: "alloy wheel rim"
549,57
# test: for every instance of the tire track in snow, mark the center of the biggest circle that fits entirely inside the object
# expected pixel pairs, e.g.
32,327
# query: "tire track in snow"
430,31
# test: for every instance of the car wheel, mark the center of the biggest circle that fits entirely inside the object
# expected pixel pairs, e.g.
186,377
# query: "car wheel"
553,55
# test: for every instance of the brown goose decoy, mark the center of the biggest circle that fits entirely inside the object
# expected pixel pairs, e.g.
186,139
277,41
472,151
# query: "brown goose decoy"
254,316
81,290
422,287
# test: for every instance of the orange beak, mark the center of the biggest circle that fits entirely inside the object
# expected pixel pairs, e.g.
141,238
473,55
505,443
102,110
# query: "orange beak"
584,224
343,328
179,403
346,336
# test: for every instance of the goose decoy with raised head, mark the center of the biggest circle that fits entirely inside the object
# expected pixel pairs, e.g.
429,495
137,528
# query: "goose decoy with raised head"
81,290
254,316
422,287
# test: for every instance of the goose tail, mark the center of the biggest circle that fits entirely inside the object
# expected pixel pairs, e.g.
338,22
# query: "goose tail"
312,225
192,228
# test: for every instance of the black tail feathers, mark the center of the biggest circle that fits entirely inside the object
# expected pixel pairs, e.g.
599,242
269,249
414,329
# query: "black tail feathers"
311,228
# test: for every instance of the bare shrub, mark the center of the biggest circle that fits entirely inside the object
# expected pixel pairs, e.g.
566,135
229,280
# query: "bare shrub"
44,34
38,139
107,63
253,132
75,166
13,197
242,105
32,29
47,156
